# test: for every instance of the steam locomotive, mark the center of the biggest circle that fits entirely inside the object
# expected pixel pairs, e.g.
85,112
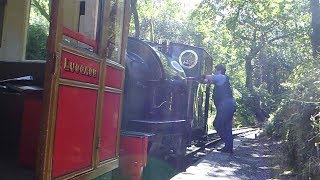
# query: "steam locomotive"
163,97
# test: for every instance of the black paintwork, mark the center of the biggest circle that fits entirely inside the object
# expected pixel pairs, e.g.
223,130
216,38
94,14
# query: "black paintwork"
158,96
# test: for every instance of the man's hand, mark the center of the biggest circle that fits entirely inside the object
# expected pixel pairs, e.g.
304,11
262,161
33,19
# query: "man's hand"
203,79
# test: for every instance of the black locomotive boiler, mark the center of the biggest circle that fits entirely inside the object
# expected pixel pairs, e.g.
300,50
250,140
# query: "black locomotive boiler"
162,96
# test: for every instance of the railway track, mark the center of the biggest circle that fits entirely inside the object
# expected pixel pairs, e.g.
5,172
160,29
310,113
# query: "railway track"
171,167
194,153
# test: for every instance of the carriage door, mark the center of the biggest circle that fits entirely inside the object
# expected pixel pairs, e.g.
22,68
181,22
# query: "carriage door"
83,90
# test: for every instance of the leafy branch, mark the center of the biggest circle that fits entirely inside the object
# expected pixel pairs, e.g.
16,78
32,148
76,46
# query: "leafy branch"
41,7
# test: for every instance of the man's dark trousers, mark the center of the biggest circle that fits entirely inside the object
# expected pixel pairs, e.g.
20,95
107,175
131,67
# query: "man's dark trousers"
223,121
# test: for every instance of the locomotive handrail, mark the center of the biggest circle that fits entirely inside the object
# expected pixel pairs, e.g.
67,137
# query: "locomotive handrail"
135,133
193,79
158,106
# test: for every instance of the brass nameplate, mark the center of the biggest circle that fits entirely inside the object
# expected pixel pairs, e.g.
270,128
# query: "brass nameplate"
79,68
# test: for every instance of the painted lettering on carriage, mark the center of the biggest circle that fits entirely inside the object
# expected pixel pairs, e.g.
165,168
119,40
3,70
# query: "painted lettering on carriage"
79,68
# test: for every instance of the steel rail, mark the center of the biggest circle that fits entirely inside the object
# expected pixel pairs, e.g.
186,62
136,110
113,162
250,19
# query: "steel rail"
215,140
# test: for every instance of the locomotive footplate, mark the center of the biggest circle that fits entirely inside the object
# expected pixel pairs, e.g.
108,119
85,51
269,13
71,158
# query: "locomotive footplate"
165,126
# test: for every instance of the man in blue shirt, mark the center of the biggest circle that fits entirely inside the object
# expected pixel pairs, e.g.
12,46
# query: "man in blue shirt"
225,105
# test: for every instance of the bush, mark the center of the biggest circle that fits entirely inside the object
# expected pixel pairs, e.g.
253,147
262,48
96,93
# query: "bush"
37,42
296,122
243,116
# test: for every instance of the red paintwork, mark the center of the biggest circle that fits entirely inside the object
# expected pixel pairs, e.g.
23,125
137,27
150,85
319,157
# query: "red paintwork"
30,130
80,37
133,156
81,61
113,77
74,130
109,129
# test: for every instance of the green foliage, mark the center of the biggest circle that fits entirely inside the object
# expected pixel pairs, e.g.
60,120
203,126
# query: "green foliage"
296,121
265,43
244,116
279,29
36,42
274,38
41,9
165,20
38,30
271,39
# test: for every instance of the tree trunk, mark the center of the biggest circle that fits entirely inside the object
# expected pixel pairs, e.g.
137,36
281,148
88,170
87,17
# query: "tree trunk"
249,72
261,74
255,101
315,23
136,18
41,9
151,30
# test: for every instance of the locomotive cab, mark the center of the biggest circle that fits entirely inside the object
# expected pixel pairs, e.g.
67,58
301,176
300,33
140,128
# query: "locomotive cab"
195,61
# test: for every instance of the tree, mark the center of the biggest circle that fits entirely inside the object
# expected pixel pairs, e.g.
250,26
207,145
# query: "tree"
160,20
36,42
135,18
257,26
38,30
262,41
43,7
315,23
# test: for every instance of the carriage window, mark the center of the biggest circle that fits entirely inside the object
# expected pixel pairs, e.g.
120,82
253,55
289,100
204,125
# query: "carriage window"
81,23
115,20
2,4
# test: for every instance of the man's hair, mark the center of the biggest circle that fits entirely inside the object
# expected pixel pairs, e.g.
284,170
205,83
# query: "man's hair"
221,68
